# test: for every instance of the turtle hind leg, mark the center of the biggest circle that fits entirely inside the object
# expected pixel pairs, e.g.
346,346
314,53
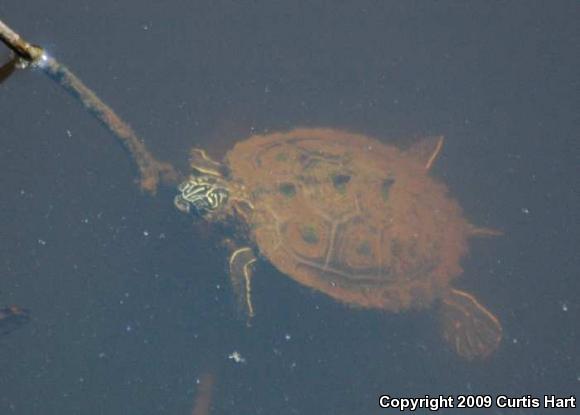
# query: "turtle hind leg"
469,328
241,270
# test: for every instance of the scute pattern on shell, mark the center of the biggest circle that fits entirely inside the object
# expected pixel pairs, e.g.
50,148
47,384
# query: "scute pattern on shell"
345,214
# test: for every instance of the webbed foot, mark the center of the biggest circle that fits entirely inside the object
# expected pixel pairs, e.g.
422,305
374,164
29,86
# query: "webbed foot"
469,328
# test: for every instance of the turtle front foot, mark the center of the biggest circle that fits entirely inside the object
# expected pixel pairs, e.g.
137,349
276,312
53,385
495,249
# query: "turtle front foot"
241,270
469,328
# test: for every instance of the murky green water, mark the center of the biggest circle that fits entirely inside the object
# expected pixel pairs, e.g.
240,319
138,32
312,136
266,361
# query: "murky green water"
131,305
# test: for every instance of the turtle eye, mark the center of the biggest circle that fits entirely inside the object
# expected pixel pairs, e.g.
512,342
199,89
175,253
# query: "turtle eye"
216,197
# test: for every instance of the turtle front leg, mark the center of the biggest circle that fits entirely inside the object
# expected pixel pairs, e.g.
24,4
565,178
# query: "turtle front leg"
241,270
204,164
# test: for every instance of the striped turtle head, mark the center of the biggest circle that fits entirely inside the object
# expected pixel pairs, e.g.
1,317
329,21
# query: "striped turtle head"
201,194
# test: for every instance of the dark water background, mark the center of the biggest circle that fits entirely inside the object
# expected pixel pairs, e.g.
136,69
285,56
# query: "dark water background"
131,304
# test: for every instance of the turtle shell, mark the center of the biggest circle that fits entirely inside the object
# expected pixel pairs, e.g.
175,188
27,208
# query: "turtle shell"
352,217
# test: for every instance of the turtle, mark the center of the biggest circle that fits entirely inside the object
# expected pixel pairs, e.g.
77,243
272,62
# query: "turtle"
348,216
340,212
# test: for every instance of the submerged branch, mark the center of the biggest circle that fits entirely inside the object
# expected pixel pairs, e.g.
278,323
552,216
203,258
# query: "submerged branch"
152,171
28,52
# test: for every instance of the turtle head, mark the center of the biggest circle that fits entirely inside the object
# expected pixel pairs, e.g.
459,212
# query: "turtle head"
203,194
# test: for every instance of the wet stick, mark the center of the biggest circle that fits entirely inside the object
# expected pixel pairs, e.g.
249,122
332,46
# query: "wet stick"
152,171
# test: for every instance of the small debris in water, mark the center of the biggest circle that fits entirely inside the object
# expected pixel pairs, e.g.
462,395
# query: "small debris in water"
237,357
